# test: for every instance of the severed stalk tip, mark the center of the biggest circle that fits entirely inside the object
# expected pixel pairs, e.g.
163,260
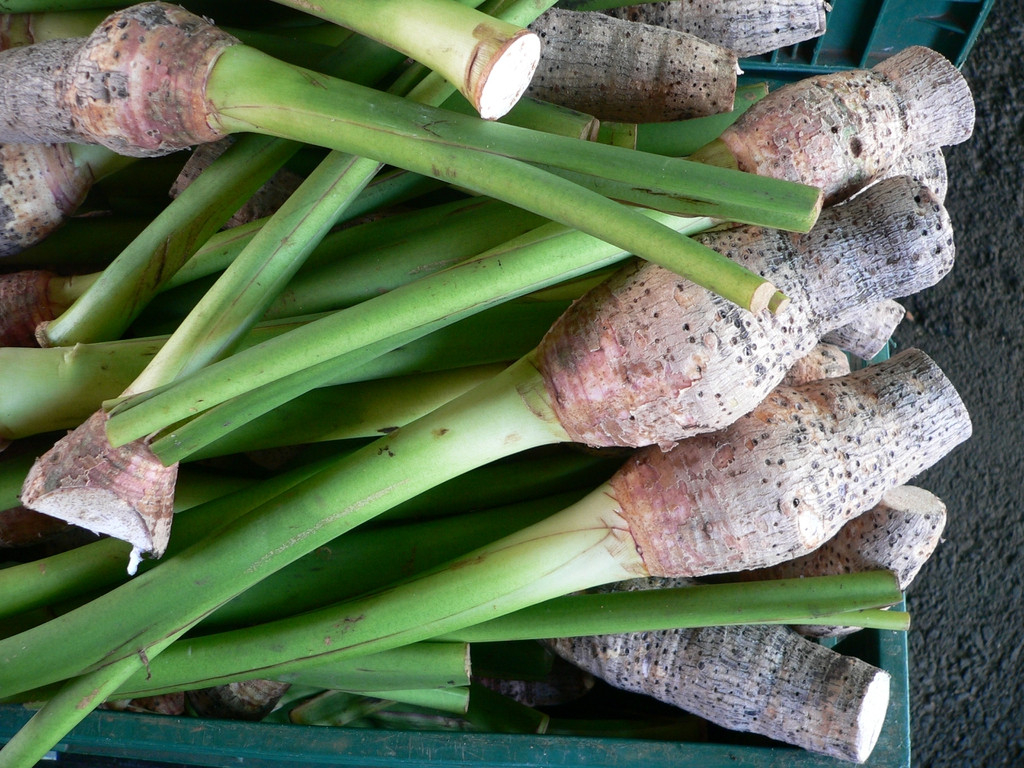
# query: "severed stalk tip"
124,492
502,80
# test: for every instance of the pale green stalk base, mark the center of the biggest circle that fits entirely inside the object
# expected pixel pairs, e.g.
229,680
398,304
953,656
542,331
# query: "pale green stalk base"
582,546
359,410
507,415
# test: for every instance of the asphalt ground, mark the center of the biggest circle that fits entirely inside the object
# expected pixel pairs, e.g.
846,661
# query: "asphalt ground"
966,662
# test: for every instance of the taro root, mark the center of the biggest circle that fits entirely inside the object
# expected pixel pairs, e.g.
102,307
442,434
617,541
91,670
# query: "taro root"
617,70
898,534
123,492
841,131
686,362
748,27
758,678
867,334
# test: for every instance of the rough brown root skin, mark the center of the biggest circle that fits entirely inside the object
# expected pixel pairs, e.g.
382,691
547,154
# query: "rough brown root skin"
164,704
898,534
135,86
756,678
563,684
825,361
624,71
748,27
868,334
927,168
245,700
123,492
841,131
647,357
39,188
264,202
799,466
25,302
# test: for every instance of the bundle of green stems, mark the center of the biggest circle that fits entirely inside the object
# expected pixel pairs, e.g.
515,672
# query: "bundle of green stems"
377,294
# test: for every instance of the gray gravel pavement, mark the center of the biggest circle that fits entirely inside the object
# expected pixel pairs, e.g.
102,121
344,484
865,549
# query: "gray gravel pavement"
967,606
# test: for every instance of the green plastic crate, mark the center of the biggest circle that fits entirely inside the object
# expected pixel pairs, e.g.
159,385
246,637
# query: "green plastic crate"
861,33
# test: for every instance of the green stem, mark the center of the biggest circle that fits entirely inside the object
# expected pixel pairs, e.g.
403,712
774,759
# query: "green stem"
47,390
513,493
559,555
259,273
310,356
818,598
343,412
507,415
287,646
287,101
95,566
109,305
75,699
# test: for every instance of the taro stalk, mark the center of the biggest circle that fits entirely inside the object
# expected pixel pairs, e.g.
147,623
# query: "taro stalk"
748,372
685,362
758,678
490,61
48,390
745,26
821,599
841,131
777,483
616,70
110,303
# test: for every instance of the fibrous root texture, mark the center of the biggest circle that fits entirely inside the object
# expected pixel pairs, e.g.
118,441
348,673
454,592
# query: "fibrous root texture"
748,27
39,188
618,70
135,86
898,534
782,480
124,492
649,358
754,678
840,131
